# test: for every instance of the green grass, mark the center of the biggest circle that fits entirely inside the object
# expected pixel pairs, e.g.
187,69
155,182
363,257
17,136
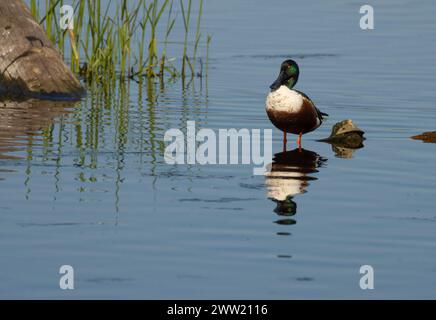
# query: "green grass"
119,38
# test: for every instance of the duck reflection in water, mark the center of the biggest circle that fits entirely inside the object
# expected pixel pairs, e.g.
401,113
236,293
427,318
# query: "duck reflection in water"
290,175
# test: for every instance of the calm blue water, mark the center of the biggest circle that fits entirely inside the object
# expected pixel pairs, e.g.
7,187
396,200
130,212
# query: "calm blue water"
86,184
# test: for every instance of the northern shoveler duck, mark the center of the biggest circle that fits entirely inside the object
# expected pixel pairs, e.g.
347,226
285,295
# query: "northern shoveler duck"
290,110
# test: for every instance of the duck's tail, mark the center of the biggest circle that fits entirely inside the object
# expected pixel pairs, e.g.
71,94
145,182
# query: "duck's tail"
321,114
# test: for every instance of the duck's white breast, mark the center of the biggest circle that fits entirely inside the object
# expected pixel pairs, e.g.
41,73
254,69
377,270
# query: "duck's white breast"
284,99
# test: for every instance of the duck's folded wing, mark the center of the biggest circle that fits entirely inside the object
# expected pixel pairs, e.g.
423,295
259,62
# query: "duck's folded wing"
319,113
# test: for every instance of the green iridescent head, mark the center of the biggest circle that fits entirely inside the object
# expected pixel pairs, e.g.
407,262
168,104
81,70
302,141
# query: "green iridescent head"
288,76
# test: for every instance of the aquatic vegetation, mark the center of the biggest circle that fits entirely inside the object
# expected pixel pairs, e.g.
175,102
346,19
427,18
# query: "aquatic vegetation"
120,38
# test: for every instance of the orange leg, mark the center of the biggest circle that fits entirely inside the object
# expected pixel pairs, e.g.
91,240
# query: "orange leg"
299,140
284,141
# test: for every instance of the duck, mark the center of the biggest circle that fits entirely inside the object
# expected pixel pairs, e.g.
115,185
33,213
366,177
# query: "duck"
290,110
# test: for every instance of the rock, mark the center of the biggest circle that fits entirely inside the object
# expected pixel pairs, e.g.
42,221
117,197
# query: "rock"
426,137
30,65
345,131
345,138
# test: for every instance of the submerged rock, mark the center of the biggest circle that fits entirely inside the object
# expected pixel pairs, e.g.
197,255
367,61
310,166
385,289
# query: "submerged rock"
426,137
345,138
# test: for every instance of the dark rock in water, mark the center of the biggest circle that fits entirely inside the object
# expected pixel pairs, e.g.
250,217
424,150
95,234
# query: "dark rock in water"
345,138
426,137
345,131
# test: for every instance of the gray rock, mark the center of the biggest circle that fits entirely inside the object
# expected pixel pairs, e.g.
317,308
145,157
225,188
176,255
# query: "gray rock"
345,138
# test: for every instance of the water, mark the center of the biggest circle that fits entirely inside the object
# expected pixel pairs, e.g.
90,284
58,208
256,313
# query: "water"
86,184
